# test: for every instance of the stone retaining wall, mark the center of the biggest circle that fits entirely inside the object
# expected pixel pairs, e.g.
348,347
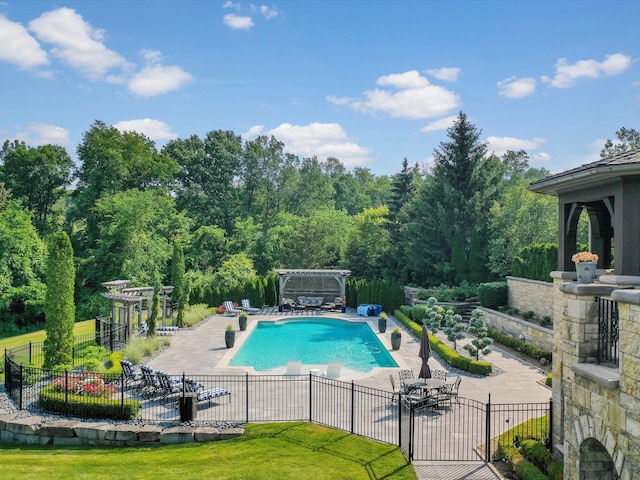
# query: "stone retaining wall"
72,432
531,295
514,327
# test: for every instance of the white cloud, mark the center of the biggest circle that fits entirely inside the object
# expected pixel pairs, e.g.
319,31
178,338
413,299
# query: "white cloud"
37,134
151,128
568,74
339,101
320,139
438,125
268,12
513,87
541,157
447,74
18,47
77,43
253,132
157,79
410,96
500,145
238,22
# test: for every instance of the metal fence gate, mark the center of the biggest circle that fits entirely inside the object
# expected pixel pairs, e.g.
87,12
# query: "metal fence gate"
470,430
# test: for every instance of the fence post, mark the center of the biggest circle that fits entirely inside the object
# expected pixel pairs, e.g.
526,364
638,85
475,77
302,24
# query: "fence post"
21,383
30,359
550,446
487,440
310,398
246,380
122,392
353,407
66,388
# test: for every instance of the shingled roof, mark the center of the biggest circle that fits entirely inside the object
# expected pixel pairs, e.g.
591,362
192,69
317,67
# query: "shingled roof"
590,174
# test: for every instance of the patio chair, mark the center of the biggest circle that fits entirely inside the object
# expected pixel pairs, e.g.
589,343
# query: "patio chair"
439,374
395,392
202,394
333,370
449,391
229,309
294,367
246,306
406,378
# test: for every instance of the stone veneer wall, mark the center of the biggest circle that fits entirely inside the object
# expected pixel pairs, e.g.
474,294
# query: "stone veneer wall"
530,333
595,404
530,295
71,432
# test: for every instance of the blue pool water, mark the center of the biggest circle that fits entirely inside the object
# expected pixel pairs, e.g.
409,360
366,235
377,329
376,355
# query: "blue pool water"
314,341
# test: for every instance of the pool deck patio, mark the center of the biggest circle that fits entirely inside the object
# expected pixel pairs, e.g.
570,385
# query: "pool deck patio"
201,351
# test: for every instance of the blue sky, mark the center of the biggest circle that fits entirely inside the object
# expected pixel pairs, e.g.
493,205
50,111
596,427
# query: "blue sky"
369,82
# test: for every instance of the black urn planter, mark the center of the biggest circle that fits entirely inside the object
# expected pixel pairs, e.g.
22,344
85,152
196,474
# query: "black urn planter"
395,340
382,325
229,338
242,322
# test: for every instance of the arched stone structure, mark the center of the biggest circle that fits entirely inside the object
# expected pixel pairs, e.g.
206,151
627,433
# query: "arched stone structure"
595,462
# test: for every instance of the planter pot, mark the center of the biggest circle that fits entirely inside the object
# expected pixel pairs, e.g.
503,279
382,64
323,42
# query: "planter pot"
395,340
382,325
229,338
242,322
586,272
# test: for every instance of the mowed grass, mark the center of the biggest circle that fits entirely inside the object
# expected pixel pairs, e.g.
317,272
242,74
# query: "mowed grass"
79,328
266,451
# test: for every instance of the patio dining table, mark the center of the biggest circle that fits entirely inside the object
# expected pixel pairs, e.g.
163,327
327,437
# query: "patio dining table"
427,385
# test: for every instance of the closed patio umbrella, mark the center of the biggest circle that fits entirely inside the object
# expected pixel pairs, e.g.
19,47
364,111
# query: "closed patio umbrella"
424,354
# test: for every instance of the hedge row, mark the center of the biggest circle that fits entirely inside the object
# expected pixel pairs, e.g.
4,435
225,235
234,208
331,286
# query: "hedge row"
493,294
87,407
449,355
519,345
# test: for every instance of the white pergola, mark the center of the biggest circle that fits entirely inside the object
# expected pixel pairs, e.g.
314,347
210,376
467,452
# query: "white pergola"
325,283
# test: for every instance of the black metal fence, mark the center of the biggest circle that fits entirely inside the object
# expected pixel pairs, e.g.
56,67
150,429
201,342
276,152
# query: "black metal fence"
464,430
608,331
469,430
111,337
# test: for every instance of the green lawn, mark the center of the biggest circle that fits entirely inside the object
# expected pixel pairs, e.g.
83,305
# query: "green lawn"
266,451
80,328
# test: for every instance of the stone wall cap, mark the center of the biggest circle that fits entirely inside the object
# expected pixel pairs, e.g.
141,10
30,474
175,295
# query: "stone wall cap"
620,280
593,289
627,296
606,376
563,275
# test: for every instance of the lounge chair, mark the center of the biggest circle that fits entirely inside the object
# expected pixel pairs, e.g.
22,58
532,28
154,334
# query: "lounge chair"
229,309
149,384
333,370
202,394
129,374
294,367
167,386
246,306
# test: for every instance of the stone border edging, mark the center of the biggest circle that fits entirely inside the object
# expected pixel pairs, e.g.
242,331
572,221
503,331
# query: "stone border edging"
72,432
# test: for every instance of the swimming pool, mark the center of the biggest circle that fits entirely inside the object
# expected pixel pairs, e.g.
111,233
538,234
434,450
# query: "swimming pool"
314,341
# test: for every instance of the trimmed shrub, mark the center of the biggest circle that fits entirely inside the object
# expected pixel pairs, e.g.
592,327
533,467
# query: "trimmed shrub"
419,312
493,294
87,407
526,470
450,356
536,453
519,345
549,381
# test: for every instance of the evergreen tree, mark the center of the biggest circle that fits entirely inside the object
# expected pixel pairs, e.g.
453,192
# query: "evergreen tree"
483,341
180,294
59,305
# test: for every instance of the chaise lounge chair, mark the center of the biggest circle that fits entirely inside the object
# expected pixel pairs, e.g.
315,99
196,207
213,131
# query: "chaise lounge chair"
203,394
229,309
333,370
246,306
294,367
